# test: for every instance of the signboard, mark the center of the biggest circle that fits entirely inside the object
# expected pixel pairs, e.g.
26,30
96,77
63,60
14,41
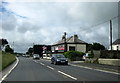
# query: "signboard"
60,48
44,47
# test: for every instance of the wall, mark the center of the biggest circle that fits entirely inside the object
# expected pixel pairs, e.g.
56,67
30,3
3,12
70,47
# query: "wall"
109,54
115,62
78,47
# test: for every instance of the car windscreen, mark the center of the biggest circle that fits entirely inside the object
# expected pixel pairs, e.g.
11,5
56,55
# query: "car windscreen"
36,55
60,56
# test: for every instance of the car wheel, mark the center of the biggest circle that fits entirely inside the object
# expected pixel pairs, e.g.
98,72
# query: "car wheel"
51,62
66,63
55,62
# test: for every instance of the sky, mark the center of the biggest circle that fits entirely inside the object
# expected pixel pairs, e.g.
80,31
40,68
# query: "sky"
28,22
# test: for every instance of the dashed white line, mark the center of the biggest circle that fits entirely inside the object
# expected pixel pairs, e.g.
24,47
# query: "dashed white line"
3,78
42,64
67,75
50,67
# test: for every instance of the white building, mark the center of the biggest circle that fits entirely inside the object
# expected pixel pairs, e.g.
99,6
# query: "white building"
116,45
72,43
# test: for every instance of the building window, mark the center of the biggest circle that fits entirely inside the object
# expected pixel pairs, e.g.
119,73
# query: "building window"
71,48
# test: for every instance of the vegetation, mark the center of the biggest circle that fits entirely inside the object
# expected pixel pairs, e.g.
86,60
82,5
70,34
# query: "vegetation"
110,56
8,49
72,55
6,59
30,51
95,46
3,42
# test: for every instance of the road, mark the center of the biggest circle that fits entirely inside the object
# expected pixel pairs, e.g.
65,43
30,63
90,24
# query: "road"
42,70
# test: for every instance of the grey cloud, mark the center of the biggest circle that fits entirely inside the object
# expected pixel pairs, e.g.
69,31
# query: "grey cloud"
51,20
9,22
27,26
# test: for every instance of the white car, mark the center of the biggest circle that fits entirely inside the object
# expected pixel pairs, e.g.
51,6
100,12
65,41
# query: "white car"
23,55
27,55
36,56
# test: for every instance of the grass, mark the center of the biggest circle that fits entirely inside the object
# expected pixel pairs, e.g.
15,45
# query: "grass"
6,59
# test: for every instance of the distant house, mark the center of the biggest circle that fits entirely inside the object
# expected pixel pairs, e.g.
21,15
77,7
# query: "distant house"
72,43
116,45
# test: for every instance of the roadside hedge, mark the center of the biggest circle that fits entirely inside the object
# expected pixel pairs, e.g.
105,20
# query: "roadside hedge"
73,55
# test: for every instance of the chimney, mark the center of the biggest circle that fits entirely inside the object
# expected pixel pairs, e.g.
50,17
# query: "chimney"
75,38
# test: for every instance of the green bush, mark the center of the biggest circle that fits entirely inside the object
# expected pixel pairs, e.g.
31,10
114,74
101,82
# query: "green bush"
72,55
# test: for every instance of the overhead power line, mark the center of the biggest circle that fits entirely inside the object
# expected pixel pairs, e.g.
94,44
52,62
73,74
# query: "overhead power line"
103,22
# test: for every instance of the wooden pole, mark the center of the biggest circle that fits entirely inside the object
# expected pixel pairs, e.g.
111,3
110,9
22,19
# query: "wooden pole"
110,35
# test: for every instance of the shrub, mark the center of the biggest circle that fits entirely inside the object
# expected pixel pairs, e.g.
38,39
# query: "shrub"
72,55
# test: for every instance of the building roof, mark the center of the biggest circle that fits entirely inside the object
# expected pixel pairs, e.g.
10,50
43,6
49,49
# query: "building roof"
72,39
116,42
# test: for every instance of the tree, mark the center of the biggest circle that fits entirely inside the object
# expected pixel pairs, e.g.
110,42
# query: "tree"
95,46
30,51
8,49
89,47
98,46
3,42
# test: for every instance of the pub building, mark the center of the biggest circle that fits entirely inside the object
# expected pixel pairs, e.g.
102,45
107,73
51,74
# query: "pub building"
69,44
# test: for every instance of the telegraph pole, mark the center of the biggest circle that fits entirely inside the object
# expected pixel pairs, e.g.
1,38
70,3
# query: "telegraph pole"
65,41
13,45
110,35
33,48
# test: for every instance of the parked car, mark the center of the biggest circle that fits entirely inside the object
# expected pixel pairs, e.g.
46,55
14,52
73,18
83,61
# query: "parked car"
59,59
17,55
36,56
27,55
23,55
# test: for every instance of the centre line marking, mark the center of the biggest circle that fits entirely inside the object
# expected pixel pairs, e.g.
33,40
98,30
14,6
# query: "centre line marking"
42,64
67,75
50,67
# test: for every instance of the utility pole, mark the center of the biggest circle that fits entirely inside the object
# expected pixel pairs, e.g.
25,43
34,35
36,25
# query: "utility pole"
65,41
110,35
13,45
33,48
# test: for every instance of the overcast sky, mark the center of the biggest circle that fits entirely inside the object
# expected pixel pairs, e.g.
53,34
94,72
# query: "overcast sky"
25,23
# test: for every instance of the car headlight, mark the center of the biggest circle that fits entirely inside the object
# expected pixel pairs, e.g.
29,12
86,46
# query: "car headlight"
58,60
66,60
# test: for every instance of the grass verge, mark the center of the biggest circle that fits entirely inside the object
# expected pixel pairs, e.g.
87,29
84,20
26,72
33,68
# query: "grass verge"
6,59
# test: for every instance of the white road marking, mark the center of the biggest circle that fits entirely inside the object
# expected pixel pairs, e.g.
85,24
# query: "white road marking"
36,61
3,78
42,64
96,69
67,75
50,67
